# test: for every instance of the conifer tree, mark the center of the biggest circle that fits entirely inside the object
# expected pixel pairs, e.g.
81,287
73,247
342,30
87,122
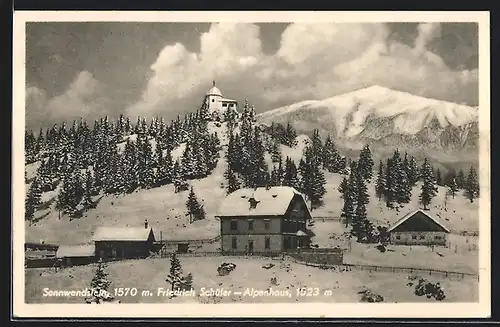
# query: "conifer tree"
145,162
259,169
275,152
439,179
32,199
390,184
290,135
188,282
233,183
317,146
380,184
89,185
274,179
313,179
174,277
164,172
194,208
349,196
453,188
365,163
461,181
472,185
413,171
342,186
449,177
332,161
290,177
429,188
100,284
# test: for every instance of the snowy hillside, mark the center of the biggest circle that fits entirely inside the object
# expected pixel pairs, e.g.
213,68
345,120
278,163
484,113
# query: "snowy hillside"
386,117
165,210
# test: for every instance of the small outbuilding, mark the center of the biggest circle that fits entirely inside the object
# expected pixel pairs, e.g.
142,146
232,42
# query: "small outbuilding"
124,242
418,228
76,254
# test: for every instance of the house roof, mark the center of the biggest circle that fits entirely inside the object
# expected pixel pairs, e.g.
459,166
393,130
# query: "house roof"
411,214
75,250
269,202
214,90
226,100
121,233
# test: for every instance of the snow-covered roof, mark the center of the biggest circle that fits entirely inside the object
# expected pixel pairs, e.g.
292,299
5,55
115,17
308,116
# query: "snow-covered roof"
75,250
122,233
269,202
411,214
226,100
214,91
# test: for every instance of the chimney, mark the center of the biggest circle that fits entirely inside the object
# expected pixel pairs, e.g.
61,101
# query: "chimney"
145,224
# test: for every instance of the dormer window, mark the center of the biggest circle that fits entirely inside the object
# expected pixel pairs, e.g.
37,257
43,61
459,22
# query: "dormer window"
253,203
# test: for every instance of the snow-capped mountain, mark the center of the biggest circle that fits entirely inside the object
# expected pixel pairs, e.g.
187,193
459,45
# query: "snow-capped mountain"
384,117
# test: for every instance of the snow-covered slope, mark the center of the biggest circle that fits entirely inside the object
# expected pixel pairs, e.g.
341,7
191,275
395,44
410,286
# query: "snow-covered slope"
380,115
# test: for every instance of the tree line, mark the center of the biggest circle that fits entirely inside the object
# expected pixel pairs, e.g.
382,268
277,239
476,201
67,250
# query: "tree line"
86,162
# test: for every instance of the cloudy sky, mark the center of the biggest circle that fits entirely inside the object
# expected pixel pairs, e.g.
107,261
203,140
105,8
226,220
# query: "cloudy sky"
94,69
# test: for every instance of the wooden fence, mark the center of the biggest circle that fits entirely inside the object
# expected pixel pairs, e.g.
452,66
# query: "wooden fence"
408,270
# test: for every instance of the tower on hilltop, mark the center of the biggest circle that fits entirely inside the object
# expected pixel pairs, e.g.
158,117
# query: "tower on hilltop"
218,104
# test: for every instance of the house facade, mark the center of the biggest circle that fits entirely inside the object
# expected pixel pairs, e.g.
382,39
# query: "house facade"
419,228
263,220
124,242
218,104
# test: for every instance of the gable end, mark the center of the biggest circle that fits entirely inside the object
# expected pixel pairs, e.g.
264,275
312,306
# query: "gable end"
419,222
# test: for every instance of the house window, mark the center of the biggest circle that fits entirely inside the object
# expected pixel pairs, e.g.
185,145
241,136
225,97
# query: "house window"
250,225
113,251
267,243
234,225
233,243
414,237
266,224
224,104
213,100
421,237
437,238
398,237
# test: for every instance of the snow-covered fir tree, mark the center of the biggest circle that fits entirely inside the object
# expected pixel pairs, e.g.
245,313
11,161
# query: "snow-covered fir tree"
429,188
472,185
174,277
100,284
380,185
194,207
332,160
365,163
232,182
33,199
453,188
290,176
312,178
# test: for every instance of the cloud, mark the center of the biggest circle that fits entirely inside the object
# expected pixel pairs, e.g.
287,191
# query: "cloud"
85,97
314,61
426,33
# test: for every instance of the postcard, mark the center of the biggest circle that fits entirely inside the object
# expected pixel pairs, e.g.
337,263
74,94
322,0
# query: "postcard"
251,164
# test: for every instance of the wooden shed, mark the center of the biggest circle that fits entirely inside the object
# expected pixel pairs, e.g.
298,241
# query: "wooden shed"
76,254
419,228
124,242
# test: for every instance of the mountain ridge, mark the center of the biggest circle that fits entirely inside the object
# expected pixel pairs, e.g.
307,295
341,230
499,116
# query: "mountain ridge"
382,116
